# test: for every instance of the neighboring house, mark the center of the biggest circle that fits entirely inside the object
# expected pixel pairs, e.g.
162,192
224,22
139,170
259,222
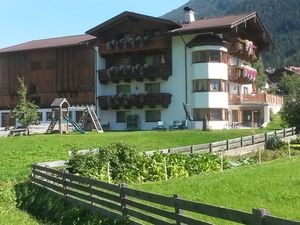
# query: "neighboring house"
56,67
275,77
148,67
141,69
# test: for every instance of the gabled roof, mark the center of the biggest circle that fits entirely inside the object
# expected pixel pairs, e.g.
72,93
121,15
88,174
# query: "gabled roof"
217,22
107,24
224,22
58,102
49,43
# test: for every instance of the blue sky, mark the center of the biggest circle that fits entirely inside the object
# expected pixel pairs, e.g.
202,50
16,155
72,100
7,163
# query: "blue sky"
26,20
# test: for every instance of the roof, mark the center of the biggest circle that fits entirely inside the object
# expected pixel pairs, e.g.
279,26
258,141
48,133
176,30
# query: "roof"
104,26
217,22
58,102
49,43
224,22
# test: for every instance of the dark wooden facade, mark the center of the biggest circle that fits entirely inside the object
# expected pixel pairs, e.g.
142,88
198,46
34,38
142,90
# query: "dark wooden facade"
49,73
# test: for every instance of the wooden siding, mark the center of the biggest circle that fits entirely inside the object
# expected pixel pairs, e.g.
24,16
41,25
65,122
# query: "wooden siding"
49,73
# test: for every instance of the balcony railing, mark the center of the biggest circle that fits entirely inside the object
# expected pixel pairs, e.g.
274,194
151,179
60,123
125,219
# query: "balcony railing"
135,100
241,75
132,45
243,49
137,72
261,98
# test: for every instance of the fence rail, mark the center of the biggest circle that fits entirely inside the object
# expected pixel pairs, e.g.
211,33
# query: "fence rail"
121,202
230,144
219,146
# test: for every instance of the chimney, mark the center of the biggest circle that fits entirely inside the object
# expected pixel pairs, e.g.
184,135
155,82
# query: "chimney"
189,15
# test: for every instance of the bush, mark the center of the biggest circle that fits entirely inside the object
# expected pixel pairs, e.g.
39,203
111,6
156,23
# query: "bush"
274,143
122,163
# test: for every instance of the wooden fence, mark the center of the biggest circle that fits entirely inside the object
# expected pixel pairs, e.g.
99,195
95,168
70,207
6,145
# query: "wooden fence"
121,202
230,144
219,146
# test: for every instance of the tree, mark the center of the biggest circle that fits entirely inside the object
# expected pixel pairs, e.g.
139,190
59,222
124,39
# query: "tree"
261,79
25,111
291,110
289,84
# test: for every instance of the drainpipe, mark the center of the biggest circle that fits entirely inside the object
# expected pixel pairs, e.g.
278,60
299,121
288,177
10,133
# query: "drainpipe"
96,77
185,67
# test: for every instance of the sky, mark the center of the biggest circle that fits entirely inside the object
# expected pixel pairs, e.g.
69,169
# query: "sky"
26,20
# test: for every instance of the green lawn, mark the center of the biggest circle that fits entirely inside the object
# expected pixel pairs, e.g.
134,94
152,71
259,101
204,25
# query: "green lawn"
18,153
274,186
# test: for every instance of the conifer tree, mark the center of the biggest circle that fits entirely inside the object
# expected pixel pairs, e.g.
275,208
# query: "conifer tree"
25,111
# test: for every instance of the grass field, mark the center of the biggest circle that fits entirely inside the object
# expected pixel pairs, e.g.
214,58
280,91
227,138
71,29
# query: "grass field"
18,153
274,186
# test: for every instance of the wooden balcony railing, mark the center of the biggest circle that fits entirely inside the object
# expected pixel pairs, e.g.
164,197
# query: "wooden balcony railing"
261,98
236,75
240,49
138,72
135,100
122,46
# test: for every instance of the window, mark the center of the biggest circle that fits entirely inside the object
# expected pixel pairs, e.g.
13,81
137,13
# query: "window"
209,56
215,114
48,116
121,116
200,56
223,86
204,85
152,87
78,116
215,56
40,116
123,88
200,114
200,85
36,65
214,85
210,114
152,116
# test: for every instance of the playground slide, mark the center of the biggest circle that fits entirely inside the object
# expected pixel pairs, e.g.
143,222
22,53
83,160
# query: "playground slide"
78,128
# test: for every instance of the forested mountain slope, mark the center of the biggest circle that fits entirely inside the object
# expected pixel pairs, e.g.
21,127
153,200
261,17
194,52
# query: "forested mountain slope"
280,17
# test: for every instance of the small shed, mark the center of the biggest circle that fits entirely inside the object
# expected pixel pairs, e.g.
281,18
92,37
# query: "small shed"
60,109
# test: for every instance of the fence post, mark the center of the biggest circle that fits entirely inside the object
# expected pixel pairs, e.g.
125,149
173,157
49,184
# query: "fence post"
289,148
122,201
108,172
242,144
266,137
284,134
192,149
258,216
222,161
227,145
64,184
210,147
178,211
253,140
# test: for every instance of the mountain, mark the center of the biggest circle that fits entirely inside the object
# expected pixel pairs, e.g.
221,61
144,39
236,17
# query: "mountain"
280,17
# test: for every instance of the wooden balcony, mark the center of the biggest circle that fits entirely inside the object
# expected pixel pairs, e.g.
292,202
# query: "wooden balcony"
262,98
135,100
133,46
238,49
235,74
134,73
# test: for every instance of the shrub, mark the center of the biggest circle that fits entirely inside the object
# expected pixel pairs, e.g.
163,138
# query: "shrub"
121,163
274,143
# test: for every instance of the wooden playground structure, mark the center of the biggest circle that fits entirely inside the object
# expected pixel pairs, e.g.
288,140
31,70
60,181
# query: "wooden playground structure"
60,112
